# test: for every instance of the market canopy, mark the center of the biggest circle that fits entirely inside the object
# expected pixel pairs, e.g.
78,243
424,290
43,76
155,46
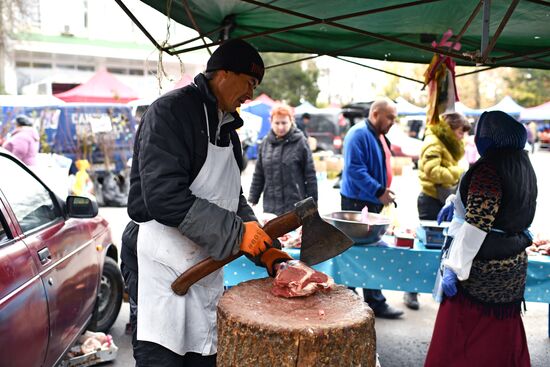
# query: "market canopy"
264,98
508,105
405,108
492,33
465,110
103,87
186,79
306,107
537,113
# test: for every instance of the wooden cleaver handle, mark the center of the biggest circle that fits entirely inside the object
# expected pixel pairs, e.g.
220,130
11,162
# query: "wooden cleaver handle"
274,228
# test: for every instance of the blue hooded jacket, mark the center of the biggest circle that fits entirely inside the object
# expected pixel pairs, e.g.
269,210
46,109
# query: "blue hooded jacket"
364,176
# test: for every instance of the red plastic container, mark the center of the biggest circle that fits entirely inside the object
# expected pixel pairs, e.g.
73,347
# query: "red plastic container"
404,241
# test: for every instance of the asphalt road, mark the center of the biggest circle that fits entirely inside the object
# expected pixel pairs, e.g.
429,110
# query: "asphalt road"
403,342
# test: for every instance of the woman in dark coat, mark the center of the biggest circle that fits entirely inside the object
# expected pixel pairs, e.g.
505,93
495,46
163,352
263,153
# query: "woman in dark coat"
284,169
479,322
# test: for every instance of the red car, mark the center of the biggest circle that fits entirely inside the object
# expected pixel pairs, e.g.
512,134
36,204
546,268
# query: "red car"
58,269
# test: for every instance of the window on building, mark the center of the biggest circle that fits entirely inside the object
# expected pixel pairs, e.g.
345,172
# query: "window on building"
85,68
42,65
136,72
65,66
23,64
117,70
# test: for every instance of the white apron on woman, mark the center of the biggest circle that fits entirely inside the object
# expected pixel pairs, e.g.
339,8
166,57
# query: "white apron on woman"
184,323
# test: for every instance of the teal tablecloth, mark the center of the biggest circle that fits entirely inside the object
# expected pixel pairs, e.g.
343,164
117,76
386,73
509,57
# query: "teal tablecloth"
379,267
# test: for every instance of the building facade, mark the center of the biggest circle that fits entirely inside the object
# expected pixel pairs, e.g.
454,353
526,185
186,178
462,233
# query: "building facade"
53,50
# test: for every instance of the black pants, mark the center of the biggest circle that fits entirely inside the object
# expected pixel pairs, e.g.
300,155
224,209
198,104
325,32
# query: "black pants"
149,354
373,297
428,207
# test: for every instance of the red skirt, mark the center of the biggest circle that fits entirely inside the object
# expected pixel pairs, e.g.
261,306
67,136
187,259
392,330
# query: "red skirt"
465,337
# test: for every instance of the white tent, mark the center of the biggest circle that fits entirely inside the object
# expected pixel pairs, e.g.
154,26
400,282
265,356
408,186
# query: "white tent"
305,107
405,108
465,110
508,105
537,113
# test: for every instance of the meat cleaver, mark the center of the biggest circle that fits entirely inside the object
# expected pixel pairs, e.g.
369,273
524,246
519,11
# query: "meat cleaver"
320,241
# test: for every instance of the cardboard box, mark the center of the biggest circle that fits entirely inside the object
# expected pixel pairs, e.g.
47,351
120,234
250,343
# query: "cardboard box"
397,164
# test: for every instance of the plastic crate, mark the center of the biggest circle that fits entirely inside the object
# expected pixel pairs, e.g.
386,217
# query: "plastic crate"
431,234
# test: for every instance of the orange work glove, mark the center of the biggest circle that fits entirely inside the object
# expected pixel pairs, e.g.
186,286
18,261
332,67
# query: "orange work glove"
272,257
255,240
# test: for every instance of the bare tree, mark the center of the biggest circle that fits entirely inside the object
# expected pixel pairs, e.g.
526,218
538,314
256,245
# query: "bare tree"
15,15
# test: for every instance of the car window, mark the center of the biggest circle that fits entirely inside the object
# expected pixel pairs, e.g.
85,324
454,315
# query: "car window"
29,200
322,124
3,230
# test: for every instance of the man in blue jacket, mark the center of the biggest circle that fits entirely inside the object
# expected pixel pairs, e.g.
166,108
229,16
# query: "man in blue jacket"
366,178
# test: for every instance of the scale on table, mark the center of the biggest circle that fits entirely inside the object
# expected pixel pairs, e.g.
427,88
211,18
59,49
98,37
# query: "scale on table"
431,234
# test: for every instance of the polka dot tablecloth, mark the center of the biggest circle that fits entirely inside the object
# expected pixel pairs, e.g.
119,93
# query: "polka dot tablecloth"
395,268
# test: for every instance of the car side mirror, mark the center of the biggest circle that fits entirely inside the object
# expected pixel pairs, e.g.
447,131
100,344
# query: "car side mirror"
81,207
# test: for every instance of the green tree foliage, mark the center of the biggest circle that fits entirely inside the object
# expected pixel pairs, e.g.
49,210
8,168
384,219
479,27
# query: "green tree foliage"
529,87
293,83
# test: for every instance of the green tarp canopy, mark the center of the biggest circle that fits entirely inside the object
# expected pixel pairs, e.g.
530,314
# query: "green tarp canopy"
492,33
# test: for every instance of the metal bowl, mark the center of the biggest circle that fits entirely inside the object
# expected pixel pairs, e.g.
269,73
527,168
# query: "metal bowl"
350,223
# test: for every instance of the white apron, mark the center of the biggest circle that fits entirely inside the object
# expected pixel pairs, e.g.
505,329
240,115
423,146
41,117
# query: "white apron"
184,323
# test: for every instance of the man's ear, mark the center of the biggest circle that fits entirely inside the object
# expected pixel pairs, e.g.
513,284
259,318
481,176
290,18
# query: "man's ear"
224,74
374,115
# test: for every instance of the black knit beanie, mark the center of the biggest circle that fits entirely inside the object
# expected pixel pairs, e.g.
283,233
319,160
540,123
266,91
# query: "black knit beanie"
238,56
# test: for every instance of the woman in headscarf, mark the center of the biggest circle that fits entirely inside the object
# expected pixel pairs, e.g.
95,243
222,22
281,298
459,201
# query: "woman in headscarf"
439,171
479,322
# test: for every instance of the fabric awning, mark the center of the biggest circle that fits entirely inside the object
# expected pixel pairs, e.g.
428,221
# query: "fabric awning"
103,87
516,33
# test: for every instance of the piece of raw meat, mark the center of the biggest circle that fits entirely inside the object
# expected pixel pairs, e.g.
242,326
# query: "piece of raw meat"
296,279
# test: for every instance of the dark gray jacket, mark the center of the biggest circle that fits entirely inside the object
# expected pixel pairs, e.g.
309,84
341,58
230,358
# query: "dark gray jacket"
284,172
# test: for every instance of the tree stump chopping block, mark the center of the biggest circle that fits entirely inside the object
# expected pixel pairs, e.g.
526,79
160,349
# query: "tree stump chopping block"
256,328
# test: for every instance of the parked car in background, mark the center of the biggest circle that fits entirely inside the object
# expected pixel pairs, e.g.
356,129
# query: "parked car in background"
58,269
402,144
328,126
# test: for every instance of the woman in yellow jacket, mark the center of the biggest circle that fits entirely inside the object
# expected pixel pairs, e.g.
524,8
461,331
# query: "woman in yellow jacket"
438,167
438,170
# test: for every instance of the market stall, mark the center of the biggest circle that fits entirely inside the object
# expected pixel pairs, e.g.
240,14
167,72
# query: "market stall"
393,268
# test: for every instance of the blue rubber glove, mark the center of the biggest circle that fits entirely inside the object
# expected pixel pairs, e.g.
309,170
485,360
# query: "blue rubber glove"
446,213
449,282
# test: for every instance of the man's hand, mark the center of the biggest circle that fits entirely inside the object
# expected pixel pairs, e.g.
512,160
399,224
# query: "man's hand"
387,197
255,240
272,257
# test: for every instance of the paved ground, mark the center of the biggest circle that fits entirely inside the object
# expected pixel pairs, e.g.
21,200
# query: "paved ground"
404,342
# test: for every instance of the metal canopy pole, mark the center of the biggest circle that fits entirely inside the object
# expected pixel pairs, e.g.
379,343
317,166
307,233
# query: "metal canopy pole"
485,25
488,48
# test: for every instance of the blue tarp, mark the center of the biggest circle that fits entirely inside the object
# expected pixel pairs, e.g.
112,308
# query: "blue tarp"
80,131
264,111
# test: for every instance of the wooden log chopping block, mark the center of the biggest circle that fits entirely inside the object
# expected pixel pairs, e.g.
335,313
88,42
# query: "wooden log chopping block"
256,328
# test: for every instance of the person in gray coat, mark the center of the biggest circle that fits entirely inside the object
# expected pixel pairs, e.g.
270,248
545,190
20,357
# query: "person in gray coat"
284,169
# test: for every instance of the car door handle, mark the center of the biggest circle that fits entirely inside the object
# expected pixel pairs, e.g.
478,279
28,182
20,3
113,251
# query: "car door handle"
44,255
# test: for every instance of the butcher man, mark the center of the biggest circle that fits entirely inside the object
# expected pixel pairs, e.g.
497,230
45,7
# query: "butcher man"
186,195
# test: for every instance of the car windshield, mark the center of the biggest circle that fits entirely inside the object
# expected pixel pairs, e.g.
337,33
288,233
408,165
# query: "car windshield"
323,123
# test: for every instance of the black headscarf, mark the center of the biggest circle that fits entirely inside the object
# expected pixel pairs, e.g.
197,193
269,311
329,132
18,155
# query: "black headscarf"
497,130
